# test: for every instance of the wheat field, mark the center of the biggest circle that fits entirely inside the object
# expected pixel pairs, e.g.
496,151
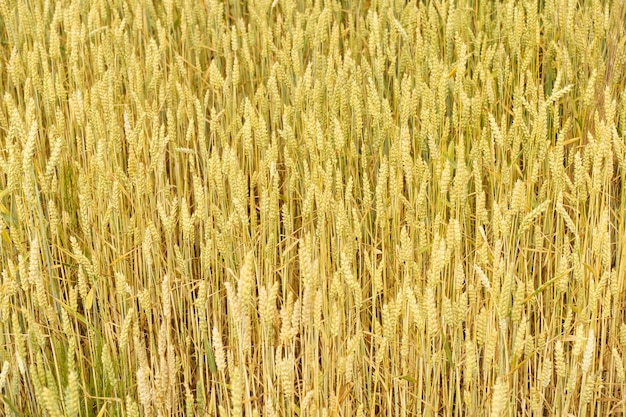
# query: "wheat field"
312,208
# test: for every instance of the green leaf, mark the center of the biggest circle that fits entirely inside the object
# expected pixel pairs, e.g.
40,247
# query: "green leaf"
209,354
409,379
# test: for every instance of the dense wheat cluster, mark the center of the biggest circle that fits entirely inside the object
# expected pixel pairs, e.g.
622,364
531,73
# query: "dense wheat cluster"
312,208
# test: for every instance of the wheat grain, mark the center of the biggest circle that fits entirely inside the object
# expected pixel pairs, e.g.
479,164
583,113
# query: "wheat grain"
218,350
589,350
559,359
499,397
